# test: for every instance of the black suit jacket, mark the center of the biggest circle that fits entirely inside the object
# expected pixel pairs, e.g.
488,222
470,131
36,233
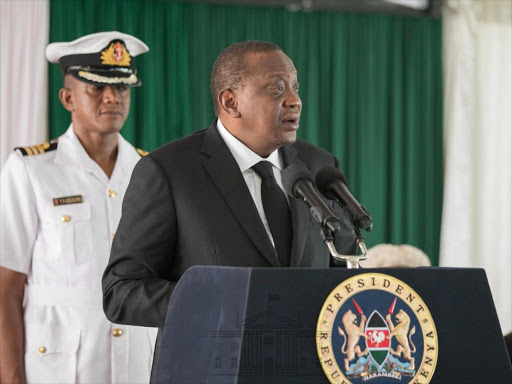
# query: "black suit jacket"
188,204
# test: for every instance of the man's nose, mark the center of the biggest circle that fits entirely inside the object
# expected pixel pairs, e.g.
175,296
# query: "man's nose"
292,100
110,95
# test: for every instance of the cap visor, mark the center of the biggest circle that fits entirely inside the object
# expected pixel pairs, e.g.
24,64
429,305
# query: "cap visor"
94,78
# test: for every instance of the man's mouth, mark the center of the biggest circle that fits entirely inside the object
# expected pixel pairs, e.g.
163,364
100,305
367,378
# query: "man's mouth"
291,122
111,112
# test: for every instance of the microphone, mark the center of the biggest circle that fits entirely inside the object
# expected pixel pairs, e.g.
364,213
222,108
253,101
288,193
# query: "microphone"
332,183
298,183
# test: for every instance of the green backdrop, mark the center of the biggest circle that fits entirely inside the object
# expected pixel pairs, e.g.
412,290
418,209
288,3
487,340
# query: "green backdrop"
371,88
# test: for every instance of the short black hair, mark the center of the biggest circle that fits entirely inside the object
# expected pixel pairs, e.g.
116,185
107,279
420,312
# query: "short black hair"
230,68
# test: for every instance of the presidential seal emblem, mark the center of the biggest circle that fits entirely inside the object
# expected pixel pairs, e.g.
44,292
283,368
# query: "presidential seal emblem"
375,328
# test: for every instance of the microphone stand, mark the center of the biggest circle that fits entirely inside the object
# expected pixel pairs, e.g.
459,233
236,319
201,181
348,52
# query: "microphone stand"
351,260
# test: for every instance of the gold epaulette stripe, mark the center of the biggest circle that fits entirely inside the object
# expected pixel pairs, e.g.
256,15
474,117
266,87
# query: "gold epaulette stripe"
141,152
37,149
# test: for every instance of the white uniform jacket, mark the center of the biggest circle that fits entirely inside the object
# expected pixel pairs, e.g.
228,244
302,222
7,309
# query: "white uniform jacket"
59,213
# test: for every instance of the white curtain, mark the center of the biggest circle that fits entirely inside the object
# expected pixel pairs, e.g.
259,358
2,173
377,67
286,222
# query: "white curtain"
477,213
24,31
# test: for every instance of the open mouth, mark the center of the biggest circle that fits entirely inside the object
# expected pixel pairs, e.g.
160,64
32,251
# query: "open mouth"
291,123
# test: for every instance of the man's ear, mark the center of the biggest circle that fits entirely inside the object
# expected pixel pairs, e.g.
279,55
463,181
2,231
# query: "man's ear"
66,98
227,101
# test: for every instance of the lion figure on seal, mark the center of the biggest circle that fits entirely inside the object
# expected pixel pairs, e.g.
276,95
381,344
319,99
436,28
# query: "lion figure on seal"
351,337
401,331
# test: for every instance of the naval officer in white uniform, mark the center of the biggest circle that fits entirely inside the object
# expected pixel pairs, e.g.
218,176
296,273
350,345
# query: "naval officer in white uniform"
60,206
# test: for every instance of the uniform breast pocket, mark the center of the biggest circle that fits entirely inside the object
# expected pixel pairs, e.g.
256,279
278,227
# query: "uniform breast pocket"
51,353
68,231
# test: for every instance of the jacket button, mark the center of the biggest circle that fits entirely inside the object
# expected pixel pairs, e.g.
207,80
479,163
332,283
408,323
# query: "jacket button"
65,218
111,193
116,332
42,350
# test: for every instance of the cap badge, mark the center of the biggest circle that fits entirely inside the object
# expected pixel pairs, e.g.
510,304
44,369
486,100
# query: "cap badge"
116,54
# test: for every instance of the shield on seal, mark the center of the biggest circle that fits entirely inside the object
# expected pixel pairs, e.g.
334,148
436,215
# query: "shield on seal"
377,341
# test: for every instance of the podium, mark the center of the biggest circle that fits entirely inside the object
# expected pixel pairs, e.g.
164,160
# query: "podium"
229,325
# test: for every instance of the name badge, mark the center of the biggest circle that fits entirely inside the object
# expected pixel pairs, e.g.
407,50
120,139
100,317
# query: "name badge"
67,200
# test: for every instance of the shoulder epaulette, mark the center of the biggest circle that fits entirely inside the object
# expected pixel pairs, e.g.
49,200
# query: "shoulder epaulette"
141,152
38,149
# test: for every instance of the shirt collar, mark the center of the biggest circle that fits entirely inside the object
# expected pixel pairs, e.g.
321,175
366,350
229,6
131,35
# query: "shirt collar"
127,158
243,155
71,152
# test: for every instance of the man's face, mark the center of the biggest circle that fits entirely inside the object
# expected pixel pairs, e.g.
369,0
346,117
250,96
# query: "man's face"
268,102
99,108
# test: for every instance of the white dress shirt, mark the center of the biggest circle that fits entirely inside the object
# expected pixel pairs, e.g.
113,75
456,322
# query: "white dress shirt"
246,159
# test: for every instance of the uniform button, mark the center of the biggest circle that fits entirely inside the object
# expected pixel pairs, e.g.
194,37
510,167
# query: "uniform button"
65,218
42,350
116,332
111,193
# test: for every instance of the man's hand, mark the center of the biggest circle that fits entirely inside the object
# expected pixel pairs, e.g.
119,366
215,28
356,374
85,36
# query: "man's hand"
12,337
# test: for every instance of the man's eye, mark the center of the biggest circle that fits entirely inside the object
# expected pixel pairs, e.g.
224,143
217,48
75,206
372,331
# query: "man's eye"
121,88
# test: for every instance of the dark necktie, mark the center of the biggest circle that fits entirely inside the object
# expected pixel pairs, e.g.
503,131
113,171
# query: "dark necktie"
277,212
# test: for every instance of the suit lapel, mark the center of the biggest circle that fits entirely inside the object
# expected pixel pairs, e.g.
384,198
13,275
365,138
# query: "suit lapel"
225,173
299,211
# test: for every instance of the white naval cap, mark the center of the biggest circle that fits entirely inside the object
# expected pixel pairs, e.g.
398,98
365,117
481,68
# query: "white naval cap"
99,58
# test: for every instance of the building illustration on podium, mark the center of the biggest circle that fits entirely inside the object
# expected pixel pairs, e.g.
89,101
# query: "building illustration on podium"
273,346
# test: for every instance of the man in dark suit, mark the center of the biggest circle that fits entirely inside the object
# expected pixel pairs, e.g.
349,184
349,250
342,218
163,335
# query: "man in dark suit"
201,200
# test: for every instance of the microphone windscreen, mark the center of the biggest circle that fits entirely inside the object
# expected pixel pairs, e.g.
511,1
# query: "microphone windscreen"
325,176
292,174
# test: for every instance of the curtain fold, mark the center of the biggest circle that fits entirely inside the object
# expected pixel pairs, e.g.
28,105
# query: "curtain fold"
477,221
24,29
370,85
